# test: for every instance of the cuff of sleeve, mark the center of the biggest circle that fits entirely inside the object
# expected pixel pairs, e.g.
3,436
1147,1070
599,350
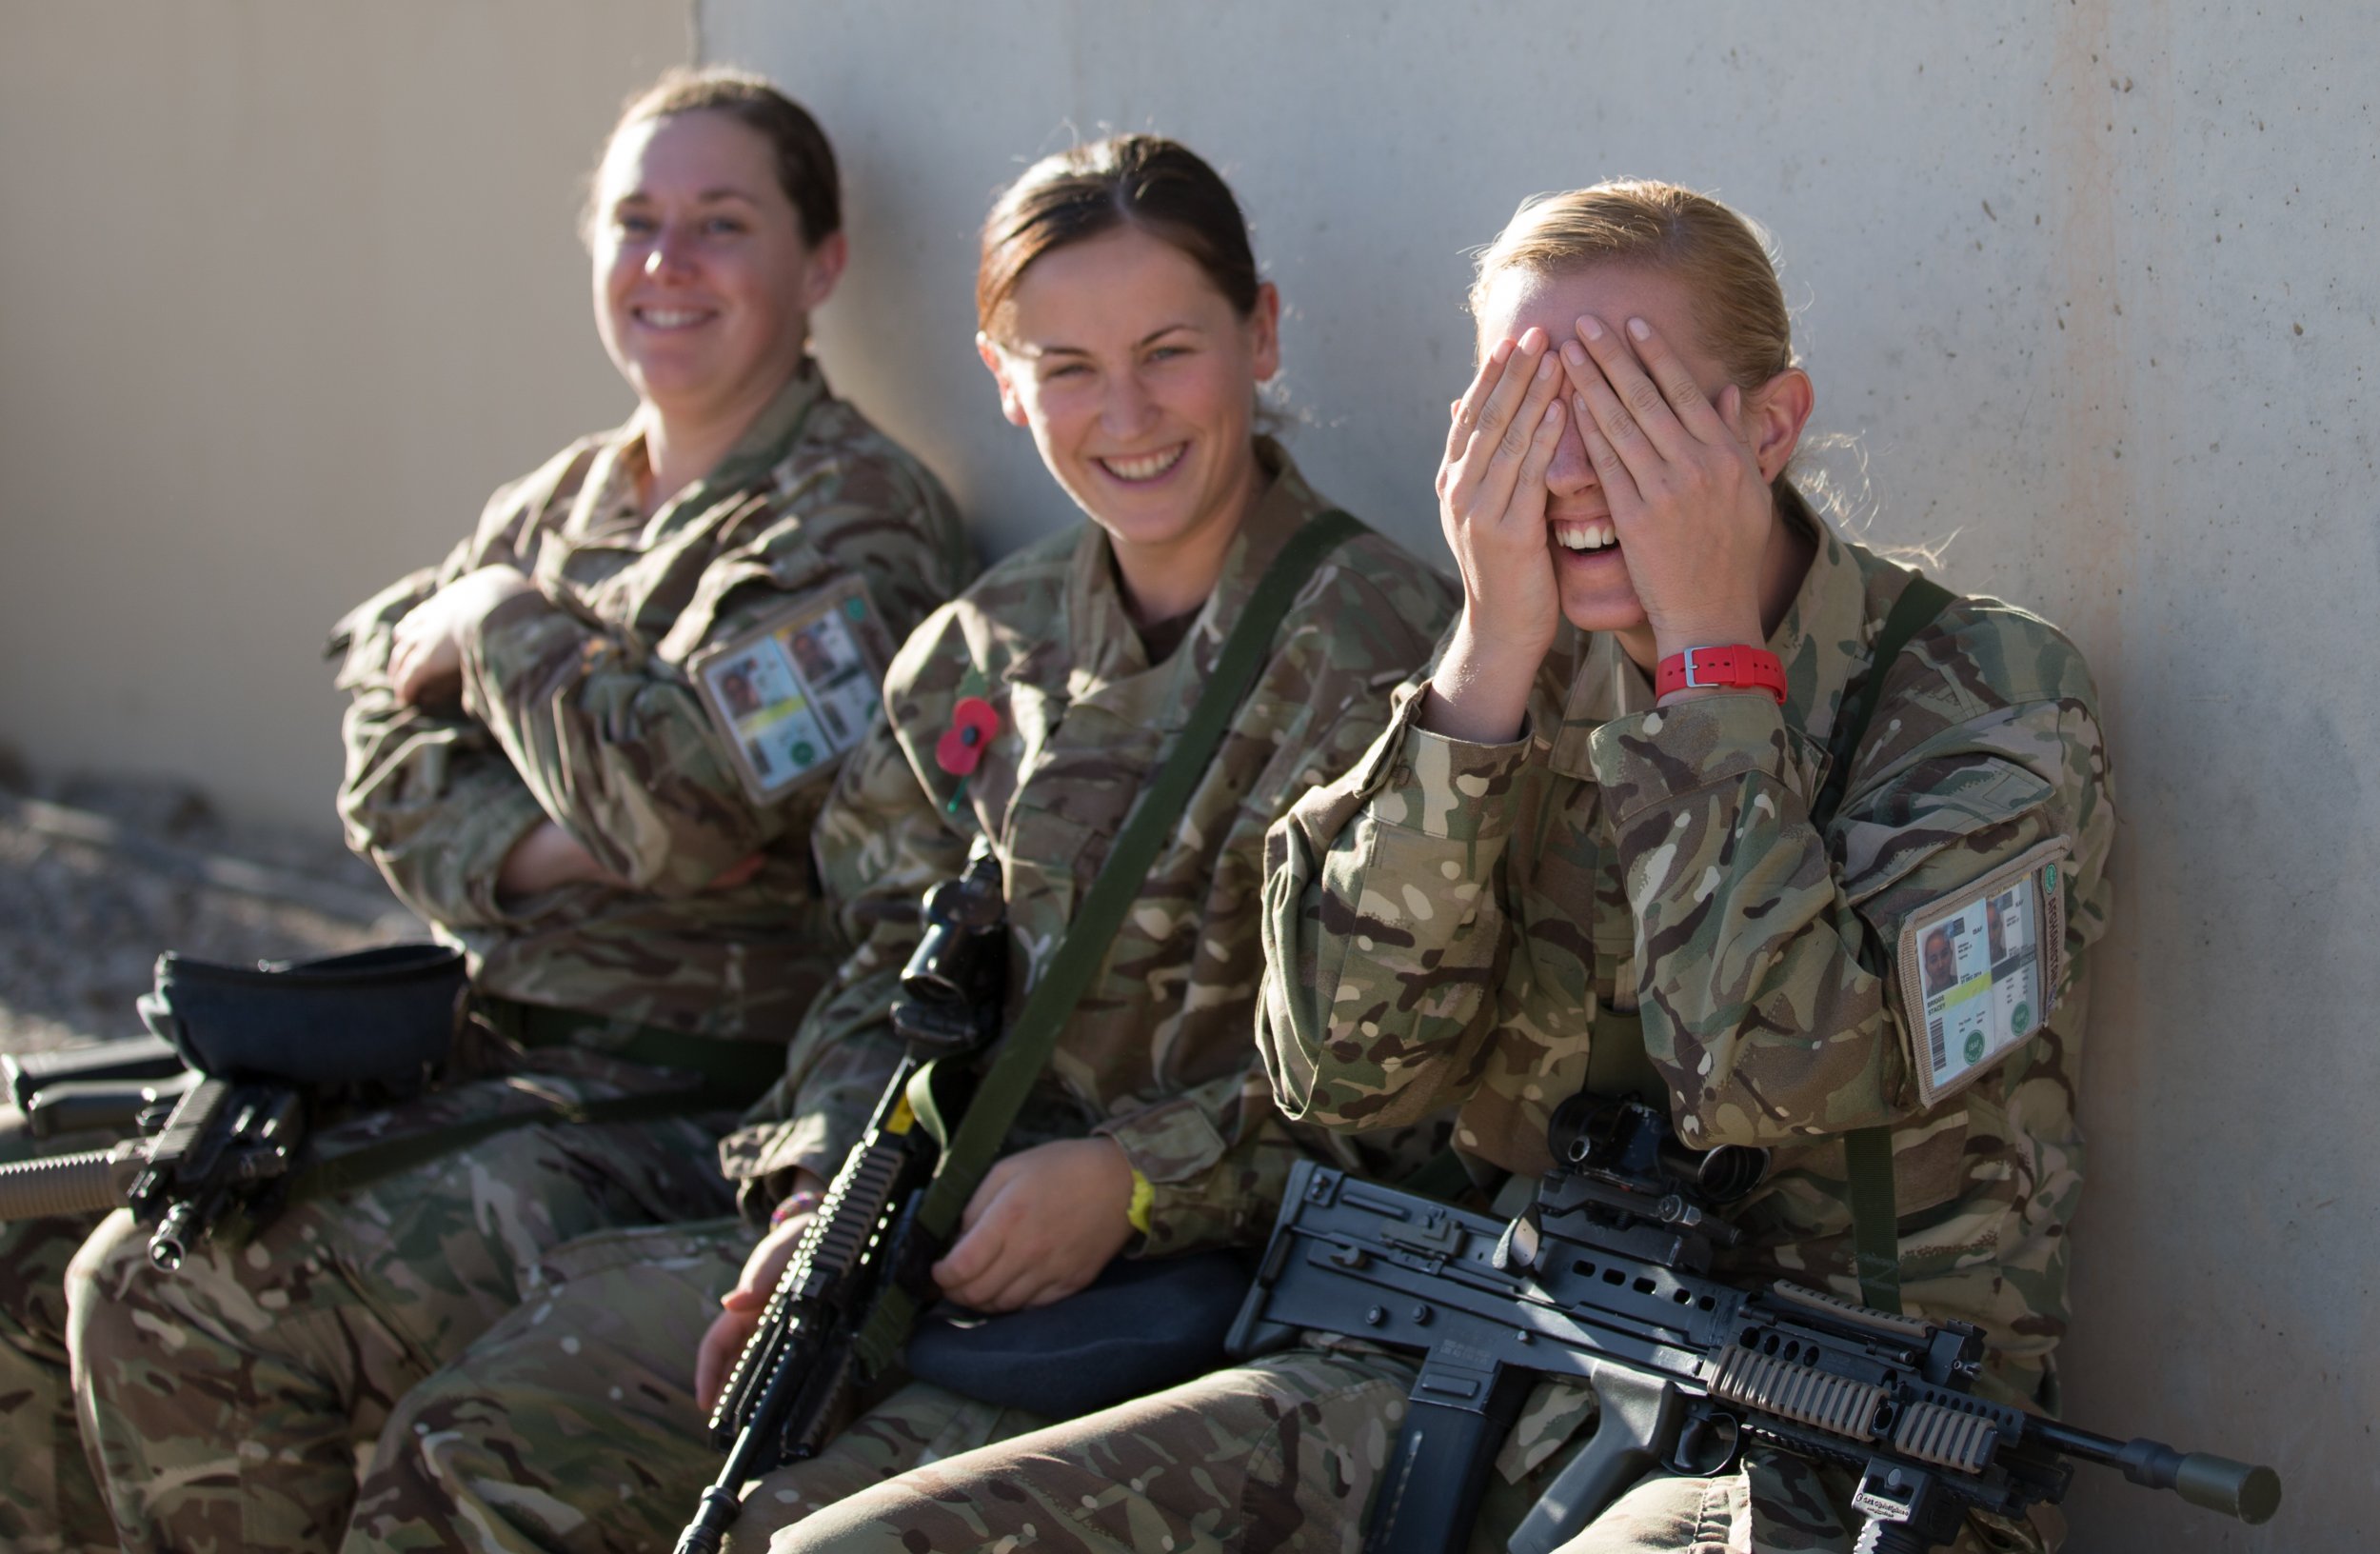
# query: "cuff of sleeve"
525,633
1648,758
1448,788
812,1142
480,842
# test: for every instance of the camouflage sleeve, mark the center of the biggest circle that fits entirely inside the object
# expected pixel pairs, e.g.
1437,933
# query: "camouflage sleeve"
879,843
612,739
1217,1155
1385,941
1764,963
426,796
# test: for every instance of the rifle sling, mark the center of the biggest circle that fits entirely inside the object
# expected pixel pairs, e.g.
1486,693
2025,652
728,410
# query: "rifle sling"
1617,1061
1875,1236
971,1151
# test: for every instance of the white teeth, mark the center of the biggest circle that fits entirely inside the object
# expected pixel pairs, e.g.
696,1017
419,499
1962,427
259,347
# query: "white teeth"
669,318
1593,534
1147,467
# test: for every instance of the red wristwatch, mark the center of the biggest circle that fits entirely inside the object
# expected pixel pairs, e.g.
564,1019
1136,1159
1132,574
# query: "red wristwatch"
1740,667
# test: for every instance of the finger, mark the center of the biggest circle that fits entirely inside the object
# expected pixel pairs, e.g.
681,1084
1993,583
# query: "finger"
1501,477
1619,485
1474,400
716,1356
974,1255
1683,395
1630,387
1505,397
1601,407
1542,446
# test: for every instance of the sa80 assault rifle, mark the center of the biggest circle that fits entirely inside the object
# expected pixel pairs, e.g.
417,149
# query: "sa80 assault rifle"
1603,1278
834,1321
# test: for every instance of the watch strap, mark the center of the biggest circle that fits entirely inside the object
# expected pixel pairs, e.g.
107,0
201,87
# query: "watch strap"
1737,667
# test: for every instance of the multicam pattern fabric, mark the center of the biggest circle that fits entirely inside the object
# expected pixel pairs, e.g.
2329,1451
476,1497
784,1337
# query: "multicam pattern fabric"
230,1402
48,1502
511,1448
576,705
1156,1055
227,1401
1444,922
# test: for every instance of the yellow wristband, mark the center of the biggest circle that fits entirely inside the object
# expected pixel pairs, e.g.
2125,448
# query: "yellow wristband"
1144,1195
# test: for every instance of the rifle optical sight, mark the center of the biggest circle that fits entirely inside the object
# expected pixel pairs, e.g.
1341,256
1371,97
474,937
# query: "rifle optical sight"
1629,1143
953,983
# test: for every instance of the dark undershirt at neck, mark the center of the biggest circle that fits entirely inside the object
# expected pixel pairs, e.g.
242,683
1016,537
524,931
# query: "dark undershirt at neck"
1159,638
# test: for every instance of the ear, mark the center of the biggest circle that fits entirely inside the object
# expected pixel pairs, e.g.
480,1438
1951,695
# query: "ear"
1263,326
825,268
1010,405
1775,414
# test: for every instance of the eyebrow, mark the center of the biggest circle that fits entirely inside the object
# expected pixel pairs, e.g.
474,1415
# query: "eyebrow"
721,194
1034,351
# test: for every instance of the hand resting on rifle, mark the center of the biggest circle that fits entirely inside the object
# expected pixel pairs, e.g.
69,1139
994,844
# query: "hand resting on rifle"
1040,1226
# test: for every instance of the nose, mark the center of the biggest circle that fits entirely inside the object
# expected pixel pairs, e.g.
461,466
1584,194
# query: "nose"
1571,471
671,257
1127,409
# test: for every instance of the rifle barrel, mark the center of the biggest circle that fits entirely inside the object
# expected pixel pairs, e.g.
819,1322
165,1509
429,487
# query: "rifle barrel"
2246,1490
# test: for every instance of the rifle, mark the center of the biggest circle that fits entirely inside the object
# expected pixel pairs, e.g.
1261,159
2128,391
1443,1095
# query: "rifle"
221,1089
819,1337
1603,1278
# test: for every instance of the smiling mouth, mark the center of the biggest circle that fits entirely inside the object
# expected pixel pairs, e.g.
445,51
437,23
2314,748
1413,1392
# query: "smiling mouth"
1590,535
671,318
1143,467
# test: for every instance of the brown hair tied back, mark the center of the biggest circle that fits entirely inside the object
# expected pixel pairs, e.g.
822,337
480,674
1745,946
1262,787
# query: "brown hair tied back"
1158,186
805,164
1722,258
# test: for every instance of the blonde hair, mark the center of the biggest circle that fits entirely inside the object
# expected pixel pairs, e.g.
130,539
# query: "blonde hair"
1724,260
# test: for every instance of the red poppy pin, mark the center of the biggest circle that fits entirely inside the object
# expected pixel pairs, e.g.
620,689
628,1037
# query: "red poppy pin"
973,723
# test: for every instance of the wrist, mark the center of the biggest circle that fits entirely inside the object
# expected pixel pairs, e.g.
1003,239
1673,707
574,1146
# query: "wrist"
1480,692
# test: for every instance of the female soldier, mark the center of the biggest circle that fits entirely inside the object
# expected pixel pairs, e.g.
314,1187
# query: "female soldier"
1667,865
533,764
1124,322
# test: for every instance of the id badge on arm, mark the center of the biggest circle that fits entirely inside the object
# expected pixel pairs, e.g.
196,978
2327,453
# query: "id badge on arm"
1980,969
792,694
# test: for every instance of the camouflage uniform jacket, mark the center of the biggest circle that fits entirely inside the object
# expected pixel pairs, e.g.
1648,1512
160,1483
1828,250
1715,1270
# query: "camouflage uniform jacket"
1443,924
577,706
1157,1055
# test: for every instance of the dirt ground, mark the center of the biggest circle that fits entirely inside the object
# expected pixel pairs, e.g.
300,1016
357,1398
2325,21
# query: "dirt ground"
98,877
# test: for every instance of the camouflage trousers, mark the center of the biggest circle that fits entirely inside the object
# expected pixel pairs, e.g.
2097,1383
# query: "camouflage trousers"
49,1501
229,1403
572,1425
1282,1454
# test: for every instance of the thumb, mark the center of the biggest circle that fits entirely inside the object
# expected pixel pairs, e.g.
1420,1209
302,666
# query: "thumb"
744,1301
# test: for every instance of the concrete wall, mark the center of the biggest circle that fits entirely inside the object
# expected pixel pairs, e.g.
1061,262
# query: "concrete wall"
2093,287
287,289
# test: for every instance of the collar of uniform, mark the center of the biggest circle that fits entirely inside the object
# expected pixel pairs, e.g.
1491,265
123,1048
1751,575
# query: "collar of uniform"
1822,642
1111,668
762,444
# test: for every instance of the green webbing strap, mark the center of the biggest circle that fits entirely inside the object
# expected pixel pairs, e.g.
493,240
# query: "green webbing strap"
734,1073
344,1173
1080,955
1868,1152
